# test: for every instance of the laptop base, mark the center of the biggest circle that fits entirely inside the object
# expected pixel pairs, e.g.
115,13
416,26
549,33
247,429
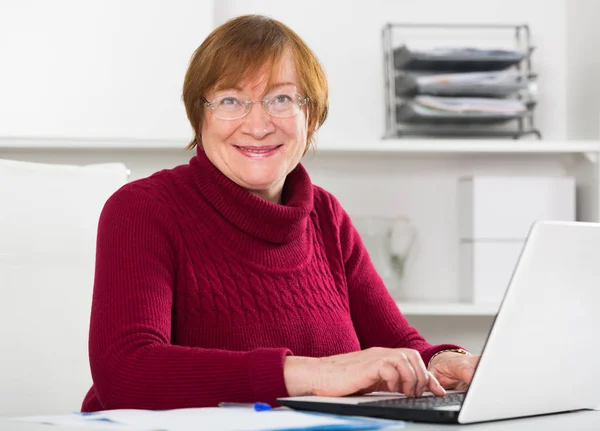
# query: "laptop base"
403,414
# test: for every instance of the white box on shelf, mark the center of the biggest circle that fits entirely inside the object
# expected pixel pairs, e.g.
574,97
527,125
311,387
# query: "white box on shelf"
486,268
505,207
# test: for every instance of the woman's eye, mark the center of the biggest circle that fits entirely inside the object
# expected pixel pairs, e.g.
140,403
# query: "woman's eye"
231,101
282,98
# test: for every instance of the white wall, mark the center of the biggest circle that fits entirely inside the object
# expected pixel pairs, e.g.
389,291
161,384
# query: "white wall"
583,69
347,39
94,69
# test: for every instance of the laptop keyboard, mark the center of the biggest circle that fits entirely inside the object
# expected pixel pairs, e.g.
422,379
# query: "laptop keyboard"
427,402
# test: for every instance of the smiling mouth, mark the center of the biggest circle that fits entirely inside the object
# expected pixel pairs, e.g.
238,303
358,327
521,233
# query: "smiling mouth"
259,150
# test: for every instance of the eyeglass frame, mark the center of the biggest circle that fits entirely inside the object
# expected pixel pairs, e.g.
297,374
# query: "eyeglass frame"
247,104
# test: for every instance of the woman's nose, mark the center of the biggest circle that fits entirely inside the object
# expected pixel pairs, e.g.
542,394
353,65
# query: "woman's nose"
258,123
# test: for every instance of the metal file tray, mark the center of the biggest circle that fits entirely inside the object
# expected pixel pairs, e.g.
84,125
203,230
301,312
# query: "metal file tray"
480,84
456,59
426,65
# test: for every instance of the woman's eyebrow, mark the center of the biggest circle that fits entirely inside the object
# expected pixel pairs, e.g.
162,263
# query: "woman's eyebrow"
240,90
282,84
224,89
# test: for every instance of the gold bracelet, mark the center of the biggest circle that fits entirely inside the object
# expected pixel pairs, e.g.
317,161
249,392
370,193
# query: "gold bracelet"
461,351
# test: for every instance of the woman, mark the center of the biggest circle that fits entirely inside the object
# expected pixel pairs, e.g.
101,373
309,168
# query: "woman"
234,278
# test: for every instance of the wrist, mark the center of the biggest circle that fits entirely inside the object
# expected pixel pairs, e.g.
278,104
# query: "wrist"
298,375
444,353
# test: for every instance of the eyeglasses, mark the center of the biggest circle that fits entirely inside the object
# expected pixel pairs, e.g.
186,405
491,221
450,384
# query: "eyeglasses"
235,107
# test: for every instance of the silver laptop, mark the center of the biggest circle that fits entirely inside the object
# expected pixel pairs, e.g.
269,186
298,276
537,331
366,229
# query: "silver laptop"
542,353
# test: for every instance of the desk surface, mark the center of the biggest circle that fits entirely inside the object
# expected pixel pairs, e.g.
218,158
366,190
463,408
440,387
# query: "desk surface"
580,421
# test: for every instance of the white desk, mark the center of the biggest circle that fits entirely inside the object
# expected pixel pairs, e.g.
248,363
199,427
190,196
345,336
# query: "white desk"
580,421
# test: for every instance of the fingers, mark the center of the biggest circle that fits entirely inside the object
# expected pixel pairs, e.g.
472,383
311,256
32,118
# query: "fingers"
395,372
380,369
412,377
461,368
421,373
461,386
435,386
402,370
389,374
456,371
408,375
466,368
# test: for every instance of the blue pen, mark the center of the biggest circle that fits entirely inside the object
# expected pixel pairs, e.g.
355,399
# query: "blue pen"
259,407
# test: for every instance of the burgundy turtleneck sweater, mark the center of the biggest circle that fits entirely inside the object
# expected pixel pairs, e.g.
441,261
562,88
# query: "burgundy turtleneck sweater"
202,288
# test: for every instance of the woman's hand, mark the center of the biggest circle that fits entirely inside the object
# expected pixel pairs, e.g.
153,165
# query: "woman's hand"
370,370
454,370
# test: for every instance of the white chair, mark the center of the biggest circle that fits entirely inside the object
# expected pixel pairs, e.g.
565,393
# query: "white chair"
48,223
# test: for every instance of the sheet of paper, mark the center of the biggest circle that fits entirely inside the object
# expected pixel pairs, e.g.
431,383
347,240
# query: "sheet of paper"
214,419
74,420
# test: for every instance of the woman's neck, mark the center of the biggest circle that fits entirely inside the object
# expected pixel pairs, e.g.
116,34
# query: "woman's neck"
272,195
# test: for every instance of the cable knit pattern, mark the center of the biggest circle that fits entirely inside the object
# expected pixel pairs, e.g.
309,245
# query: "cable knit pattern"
202,289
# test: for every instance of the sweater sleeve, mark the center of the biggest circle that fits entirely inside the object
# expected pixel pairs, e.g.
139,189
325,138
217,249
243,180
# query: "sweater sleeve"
133,363
377,319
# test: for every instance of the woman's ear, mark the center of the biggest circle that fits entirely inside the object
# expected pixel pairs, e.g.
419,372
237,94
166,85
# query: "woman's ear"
306,125
307,117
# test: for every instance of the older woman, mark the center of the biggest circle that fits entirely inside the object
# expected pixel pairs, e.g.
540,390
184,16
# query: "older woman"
233,277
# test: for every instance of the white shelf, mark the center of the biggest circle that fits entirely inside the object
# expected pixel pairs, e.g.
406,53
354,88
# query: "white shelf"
449,146
376,146
56,143
446,309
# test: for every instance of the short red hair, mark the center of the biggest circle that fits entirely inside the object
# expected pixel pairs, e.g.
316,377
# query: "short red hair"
240,48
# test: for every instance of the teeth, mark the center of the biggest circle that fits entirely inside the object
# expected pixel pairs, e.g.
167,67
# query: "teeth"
256,151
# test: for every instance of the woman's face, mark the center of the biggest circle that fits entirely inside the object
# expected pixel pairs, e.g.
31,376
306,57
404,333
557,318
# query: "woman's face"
259,150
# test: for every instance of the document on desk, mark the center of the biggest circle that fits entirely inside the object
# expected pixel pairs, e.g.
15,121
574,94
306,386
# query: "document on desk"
214,419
